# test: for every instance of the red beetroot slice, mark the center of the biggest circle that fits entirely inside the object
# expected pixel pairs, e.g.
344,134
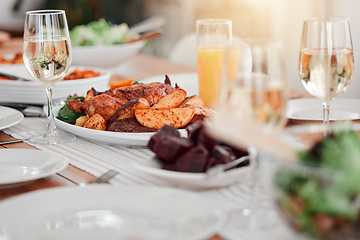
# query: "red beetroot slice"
169,148
194,160
164,131
197,134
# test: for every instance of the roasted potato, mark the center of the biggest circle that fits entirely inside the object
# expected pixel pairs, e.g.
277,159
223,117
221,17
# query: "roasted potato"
157,118
194,100
172,100
96,122
80,121
128,109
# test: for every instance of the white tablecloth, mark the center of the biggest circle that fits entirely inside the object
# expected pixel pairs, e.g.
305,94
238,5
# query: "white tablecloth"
97,158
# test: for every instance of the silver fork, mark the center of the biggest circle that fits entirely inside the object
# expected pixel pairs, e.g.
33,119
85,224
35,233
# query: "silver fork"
105,177
214,171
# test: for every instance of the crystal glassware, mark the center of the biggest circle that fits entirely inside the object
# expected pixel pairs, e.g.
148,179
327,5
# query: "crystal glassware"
47,58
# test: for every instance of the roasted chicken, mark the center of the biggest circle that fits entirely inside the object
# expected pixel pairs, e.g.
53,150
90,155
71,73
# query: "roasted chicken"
139,108
108,102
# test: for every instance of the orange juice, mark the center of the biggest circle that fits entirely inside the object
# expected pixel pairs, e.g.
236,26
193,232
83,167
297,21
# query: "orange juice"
210,63
210,66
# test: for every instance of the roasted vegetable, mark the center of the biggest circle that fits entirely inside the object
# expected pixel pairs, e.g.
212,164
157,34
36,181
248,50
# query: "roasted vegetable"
128,109
172,100
96,122
197,153
157,118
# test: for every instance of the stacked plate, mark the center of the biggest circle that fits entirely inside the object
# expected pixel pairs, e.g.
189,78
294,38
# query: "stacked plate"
34,92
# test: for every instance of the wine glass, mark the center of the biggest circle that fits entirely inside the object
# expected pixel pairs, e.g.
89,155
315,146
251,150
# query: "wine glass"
258,97
326,62
47,58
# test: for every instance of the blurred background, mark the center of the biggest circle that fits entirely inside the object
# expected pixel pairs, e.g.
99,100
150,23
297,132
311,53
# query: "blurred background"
280,20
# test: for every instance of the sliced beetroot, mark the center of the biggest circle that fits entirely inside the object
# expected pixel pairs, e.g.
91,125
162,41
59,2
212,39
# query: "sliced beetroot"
164,131
198,135
221,154
194,160
169,148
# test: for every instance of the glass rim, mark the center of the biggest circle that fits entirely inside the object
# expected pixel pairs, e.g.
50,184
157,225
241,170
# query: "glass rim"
326,19
213,21
45,12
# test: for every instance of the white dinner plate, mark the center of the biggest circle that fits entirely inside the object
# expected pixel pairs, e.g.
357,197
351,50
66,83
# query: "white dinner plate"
9,117
311,109
186,81
34,92
116,138
110,212
23,165
194,181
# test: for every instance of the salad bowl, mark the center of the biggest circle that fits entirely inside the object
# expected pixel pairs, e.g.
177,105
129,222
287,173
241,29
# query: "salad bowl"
318,197
103,44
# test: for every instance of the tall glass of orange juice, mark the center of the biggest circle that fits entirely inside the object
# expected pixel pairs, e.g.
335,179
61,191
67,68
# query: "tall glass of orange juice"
213,36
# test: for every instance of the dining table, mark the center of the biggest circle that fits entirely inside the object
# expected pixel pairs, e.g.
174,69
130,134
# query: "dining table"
89,159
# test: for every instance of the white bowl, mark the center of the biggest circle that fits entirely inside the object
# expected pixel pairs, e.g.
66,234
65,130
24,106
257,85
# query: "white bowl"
105,56
34,92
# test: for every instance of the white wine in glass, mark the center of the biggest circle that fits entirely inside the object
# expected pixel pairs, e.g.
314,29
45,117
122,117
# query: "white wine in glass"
326,62
47,58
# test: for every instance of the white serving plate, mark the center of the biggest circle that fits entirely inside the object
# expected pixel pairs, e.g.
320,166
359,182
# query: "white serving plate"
114,138
311,109
9,117
194,181
34,92
110,212
23,165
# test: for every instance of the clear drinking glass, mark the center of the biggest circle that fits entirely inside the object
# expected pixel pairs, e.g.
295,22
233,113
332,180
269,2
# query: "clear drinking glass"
326,62
213,35
47,58
257,95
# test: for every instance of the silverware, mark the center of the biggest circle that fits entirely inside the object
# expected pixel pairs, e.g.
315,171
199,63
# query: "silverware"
104,178
10,76
29,110
12,141
212,172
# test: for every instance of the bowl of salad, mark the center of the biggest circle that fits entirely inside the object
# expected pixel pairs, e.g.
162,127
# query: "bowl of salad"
319,196
103,44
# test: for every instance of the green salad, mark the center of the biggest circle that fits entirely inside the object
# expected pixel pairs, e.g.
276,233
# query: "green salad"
67,115
322,199
101,32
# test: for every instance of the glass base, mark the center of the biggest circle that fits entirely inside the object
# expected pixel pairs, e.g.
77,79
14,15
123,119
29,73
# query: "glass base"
56,138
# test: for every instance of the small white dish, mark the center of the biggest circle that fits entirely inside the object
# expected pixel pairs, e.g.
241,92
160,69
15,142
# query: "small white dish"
9,117
194,181
311,109
110,212
34,92
187,81
23,165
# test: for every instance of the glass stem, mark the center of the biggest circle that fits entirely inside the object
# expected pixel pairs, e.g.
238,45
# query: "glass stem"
326,113
51,127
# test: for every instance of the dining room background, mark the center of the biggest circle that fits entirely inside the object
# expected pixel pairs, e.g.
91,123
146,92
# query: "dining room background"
280,20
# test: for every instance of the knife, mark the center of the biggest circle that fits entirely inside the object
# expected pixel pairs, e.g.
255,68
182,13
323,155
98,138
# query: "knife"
10,76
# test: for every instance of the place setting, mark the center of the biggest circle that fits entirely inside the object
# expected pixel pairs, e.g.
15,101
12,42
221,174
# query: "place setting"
216,152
